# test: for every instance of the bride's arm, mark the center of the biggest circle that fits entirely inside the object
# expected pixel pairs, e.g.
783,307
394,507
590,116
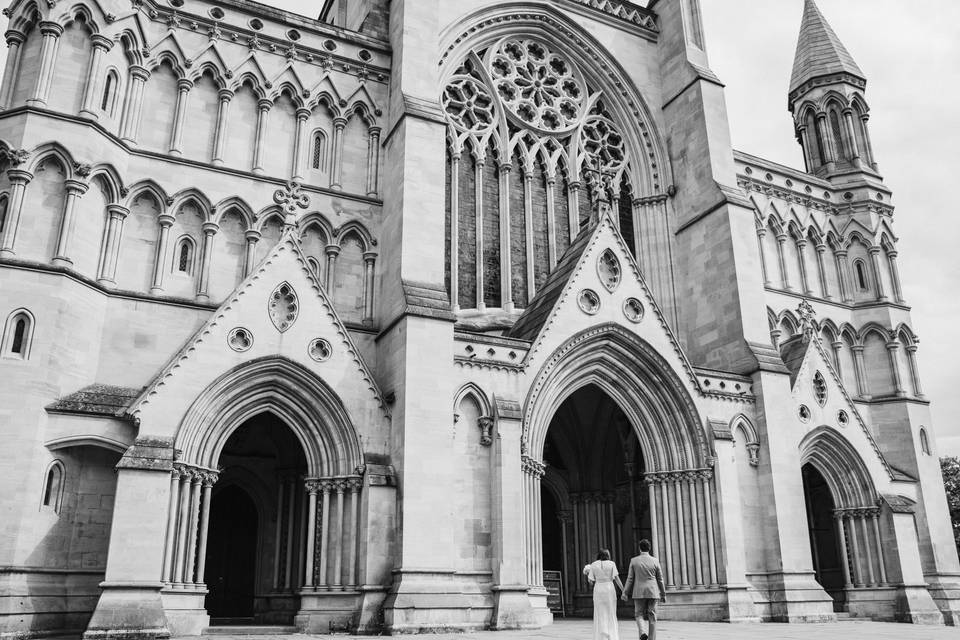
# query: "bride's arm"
616,578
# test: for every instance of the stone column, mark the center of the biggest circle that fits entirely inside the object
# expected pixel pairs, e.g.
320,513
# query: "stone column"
455,230
133,105
478,228
325,487
914,370
860,370
117,214
183,99
188,574
183,525
867,146
11,71
336,169
263,115
855,555
160,263
354,485
300,144
803,137
551,222
895,276
313,487
875,264
339,486
209,479
706,478
761,234
171,536
836,346
50,32
252,236
209,234
528,232
369,282
573,207
668,569
651,483
691,482
223,117
822,270
802,262
506,269
841,536
875,519
373,162
19,179
782,261
677,480
893,346
91,92
332,251
68,221
861,515
843,273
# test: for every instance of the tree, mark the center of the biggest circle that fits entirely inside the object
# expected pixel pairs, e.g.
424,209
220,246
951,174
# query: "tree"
950,468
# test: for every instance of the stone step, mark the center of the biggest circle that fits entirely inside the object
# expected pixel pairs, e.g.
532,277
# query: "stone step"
249,630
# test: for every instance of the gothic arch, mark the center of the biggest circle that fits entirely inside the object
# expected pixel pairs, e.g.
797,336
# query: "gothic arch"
306,404
317,219
47,150
252,80
473,390
637,378
195,196
24,17
234,203
110,177
356,229
84,12
841,466
148,186
272,212
628,108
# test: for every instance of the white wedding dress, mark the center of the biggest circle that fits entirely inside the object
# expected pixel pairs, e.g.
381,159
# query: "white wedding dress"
604,600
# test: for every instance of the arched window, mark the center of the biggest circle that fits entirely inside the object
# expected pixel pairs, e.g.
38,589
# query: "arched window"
837,132
53,487
108,100
924,441
860,270
314,266
183,258
816,142
319,157
18,335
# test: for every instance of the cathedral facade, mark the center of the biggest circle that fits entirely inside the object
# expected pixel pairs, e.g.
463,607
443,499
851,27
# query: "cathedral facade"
389,320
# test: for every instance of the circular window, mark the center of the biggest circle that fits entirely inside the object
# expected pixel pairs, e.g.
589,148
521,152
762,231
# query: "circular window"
804,413
608,268
216,13
633,309
329,45
842,418
320,350
365,55
240,339
255,24
176,3
589,301
293,34
538,86
468,104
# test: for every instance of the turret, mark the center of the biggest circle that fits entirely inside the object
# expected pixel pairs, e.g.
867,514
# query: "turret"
827,102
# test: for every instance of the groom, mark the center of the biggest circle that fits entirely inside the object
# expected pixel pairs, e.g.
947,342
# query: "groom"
644,584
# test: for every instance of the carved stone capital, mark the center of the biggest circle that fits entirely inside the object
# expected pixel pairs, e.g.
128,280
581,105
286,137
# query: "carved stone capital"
486,430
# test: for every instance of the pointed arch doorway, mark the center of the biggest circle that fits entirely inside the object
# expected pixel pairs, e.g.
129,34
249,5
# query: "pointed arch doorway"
256,526
593,494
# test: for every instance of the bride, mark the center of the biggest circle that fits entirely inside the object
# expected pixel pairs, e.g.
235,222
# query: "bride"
602,574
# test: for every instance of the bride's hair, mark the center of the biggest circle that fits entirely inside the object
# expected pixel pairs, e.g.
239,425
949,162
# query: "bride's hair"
604,554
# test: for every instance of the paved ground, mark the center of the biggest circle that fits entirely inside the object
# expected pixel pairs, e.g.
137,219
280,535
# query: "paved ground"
583,629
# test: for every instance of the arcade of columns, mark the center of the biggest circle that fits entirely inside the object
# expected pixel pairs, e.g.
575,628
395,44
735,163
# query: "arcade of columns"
328,522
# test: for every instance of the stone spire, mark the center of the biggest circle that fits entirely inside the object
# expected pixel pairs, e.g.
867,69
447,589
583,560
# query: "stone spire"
819,51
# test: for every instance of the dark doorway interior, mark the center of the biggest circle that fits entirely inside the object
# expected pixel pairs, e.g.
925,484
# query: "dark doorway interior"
824,545
231,557
552,537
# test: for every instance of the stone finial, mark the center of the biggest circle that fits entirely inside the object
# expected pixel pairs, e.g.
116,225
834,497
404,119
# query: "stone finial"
291,198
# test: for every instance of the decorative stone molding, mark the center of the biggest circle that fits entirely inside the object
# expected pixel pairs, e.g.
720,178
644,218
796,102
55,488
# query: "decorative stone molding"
486,430
533,467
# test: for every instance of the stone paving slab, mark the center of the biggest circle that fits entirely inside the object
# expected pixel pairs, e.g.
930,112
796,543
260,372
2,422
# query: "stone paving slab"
583,630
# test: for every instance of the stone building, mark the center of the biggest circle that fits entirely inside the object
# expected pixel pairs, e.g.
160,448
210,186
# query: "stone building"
366,322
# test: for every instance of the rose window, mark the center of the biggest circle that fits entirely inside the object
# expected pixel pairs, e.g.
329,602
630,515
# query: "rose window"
538,86
633,310
468,104
284,307
608,268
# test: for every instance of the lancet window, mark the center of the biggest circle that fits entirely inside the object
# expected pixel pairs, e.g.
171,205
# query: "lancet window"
533,156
